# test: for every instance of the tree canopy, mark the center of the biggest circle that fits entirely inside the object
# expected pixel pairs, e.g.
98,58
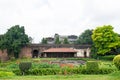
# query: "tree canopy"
105,39
44,41
65,41
85,37
57,41
14,39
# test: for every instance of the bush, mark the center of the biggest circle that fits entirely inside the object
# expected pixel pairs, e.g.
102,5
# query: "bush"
6,74
92,65
107,57
64,71
45,65
25,66
17,72
13,66
99,71
116,61
45,71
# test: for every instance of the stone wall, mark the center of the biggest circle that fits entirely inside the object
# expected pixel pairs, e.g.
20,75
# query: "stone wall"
3,55
25,52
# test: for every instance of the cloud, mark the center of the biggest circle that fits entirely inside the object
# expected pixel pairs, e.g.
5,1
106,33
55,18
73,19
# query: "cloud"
43,18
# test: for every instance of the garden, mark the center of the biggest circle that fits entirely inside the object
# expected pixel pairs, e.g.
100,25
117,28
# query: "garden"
59,69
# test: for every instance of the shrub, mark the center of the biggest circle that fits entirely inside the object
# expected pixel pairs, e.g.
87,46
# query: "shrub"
12,66
45,65
107,57
92,65
17,72
116,61
64,71
25,66
45,71
99,71
12,58
6,74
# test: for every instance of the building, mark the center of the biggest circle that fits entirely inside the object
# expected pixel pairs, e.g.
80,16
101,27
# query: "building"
71,38
38,50
59,52
50,40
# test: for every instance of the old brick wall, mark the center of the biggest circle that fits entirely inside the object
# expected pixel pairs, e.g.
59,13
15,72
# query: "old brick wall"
3,55
26,52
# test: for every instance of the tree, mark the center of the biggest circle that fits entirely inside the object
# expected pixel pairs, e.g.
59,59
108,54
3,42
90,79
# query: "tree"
57,41
14,39
30,39
44,41
105,39
85,37
65,41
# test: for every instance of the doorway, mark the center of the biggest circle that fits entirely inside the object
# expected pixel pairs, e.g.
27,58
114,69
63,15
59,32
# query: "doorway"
35,53
85,54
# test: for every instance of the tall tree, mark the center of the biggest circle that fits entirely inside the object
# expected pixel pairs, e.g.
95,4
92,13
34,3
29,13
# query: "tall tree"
57,41
14,39
85,37
65,41
44,41
105,39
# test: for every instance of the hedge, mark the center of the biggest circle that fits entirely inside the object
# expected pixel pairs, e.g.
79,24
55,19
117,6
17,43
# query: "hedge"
65,71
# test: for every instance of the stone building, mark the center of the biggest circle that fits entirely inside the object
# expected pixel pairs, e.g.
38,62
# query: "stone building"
71,38
36,50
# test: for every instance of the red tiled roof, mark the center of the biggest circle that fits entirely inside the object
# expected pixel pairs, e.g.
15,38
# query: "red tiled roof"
60,50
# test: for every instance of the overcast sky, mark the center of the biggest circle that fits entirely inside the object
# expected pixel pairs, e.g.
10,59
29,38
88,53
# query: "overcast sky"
43,18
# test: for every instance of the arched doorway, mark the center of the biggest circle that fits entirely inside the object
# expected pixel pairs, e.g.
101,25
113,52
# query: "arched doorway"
85,54
35,53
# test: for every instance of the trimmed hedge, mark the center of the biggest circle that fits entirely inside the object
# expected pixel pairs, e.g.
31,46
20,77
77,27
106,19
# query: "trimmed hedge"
92,65
65,71
25,66
107,57
44,65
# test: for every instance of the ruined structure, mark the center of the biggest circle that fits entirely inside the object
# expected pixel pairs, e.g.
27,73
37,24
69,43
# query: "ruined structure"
35,50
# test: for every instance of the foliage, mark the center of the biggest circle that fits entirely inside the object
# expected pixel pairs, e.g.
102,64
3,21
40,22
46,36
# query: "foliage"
6,74
30,39
105,39
65,41
44,41
106,57
25,66
44,65
92,65
64,71
57,41
116,61
85,37
12,66
13,40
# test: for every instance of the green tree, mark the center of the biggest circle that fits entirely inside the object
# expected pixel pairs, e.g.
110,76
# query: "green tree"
105,39
44,41
30,39
57,41
14,39
65,41
85,37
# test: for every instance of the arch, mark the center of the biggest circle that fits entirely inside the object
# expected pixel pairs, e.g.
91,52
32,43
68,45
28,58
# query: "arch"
85,54
35,53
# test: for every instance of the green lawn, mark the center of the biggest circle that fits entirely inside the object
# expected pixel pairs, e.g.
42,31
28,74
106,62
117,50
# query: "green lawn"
115,76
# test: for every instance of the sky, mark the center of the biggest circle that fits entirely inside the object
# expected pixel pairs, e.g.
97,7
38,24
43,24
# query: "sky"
44,18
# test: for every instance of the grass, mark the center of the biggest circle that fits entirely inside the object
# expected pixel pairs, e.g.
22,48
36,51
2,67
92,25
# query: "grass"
113,76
